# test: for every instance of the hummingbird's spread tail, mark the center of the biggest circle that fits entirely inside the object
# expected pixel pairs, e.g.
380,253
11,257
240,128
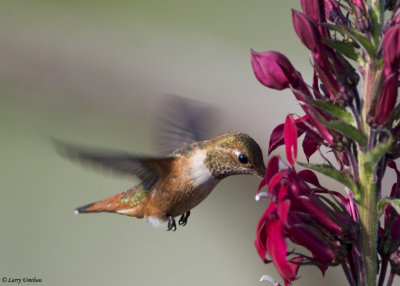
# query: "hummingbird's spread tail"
128,203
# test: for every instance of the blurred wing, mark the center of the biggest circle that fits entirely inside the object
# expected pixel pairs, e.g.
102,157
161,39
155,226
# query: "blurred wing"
183,121
147,169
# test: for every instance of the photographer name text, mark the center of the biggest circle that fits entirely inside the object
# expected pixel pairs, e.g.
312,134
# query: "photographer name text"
15,280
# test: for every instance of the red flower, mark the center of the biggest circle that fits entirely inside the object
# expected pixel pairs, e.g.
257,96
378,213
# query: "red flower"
381,111
296,212
273,69
271,239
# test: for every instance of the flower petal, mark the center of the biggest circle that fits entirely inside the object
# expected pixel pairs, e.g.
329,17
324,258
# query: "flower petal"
315,9
277,138
275,180
290,135
320,250
307,31
310,145
277,250
310,177
272,169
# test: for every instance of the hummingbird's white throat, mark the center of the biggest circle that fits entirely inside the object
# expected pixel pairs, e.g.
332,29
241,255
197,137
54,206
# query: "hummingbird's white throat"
198,171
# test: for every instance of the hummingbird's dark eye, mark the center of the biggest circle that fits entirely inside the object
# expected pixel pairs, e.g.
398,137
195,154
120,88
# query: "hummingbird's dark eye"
243,158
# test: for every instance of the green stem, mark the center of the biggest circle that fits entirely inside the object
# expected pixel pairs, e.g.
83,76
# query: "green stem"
367,177
369,222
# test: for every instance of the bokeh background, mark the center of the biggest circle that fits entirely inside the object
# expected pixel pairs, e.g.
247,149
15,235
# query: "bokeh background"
94,73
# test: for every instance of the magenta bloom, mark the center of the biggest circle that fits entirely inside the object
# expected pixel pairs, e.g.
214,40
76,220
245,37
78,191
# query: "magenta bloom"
387,101
271,239
297,212
273,69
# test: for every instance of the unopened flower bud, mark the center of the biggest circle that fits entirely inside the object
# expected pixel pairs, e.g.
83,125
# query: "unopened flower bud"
273,69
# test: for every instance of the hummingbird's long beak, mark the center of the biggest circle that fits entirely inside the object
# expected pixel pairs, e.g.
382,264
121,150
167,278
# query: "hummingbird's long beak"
260,172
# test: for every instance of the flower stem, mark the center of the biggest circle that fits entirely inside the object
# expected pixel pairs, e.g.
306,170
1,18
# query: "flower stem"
382,273
391,278
368,180
348,274
369,223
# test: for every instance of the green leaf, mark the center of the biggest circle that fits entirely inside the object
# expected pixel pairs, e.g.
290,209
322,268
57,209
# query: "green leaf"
348,131
376,153
377,11
344,48
333,173
356,36
394,202
334,110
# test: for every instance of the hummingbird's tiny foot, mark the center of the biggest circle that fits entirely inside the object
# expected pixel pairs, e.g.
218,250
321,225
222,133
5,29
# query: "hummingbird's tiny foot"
184,218
171,223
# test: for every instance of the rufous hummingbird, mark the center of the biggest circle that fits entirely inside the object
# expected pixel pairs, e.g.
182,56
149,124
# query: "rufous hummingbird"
174,184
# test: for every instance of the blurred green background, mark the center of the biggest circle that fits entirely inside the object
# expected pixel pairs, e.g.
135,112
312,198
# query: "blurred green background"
94,72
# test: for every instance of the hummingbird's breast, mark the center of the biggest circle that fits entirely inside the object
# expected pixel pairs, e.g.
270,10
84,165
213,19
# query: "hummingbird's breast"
200,178
190,183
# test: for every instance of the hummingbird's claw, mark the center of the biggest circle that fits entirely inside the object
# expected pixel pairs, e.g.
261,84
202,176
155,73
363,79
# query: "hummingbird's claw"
184,218
171,223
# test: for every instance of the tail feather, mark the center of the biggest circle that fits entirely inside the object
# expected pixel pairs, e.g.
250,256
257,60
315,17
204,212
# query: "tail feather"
123,203
91,208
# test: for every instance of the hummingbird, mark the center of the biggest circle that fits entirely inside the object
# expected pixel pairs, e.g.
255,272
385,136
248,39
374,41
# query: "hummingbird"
172,185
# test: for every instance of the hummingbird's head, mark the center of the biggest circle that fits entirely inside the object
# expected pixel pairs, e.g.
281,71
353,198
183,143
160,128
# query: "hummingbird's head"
234,154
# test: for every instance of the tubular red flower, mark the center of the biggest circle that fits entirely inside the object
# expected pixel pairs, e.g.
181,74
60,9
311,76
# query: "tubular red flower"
271,239
297,213
320,250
